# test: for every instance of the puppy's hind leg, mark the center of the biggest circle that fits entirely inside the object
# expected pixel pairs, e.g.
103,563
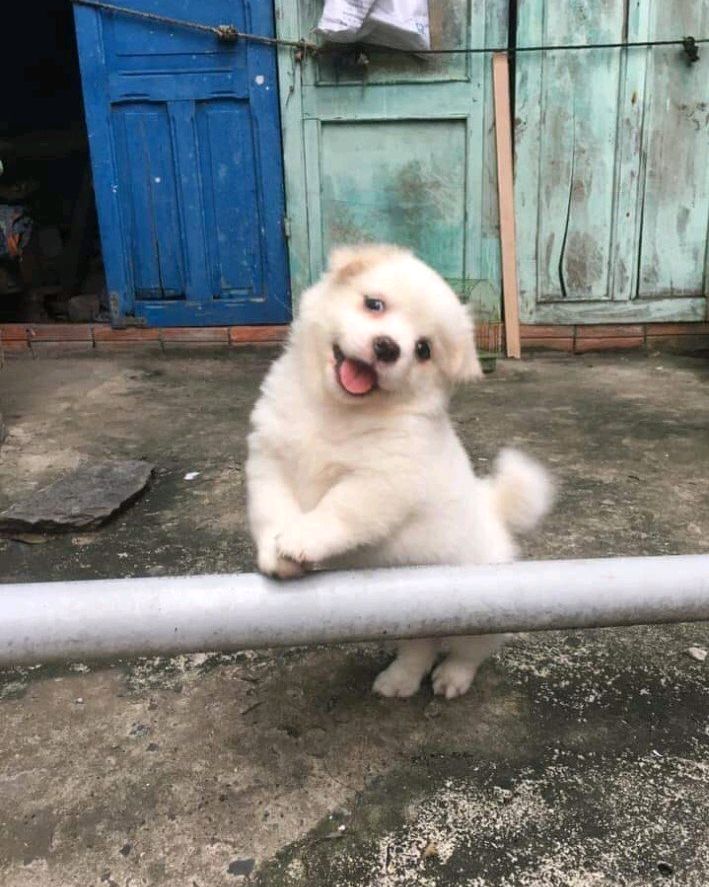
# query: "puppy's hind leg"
403,677
456,673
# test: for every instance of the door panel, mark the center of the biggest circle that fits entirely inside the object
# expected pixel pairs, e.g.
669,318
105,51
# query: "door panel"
146,174
228,172
566,130
675,174
407,191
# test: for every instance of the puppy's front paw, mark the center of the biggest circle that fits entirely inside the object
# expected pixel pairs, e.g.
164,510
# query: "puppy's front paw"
287,569
299,545
398,680
272,564
453,678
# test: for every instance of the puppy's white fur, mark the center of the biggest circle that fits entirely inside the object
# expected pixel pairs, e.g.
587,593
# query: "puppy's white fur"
382,479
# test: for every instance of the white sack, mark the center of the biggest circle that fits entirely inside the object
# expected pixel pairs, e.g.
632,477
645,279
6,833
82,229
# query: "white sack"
401,24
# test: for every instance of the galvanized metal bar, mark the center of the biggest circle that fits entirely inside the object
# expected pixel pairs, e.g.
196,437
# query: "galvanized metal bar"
47,621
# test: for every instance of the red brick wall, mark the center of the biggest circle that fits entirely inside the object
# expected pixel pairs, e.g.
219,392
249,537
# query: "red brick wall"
33,340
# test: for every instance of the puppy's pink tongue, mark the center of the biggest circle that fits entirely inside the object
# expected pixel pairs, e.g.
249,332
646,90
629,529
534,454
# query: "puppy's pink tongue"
356,377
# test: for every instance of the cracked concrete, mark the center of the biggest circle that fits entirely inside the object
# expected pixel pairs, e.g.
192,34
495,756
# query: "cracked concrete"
578,758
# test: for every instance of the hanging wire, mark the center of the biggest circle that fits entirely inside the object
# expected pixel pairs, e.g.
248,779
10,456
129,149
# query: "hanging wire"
229,34
226,33
683,42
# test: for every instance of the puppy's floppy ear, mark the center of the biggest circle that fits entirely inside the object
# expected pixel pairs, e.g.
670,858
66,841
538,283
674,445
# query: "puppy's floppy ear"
462,364
345,262
340,257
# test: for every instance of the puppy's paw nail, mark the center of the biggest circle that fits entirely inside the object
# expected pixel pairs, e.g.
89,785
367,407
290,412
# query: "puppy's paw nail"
288,569
452,679
271,563
396,681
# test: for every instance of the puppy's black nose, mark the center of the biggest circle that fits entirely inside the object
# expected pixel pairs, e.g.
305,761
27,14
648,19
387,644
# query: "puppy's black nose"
386,349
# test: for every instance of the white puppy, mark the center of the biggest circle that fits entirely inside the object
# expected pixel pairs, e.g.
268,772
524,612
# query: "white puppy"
353,460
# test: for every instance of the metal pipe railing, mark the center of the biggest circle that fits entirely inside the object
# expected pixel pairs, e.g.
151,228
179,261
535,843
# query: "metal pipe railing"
47,621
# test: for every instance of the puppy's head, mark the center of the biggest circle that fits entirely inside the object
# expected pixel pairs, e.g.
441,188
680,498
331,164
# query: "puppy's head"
383,325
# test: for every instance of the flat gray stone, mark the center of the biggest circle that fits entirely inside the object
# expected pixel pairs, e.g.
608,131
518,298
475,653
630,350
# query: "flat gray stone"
83,499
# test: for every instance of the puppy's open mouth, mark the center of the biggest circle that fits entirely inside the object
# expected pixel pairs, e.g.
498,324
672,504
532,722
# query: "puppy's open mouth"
355,376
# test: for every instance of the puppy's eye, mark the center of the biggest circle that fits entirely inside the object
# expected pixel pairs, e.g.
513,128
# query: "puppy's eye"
372,304
423,349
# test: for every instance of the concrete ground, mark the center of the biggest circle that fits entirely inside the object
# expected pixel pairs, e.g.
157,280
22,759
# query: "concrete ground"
578,758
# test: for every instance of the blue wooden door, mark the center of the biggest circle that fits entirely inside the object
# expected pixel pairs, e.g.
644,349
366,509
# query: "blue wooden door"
186,152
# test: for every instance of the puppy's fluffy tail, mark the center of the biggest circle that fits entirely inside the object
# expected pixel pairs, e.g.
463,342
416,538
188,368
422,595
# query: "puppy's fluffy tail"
523,491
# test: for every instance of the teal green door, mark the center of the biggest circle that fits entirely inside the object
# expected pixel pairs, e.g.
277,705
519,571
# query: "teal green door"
612,164
397,149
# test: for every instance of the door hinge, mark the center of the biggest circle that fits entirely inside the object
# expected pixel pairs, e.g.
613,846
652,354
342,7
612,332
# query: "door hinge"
286,227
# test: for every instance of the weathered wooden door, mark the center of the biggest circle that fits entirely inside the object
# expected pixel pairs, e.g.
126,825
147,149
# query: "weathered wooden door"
612,164
186,153
393,147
